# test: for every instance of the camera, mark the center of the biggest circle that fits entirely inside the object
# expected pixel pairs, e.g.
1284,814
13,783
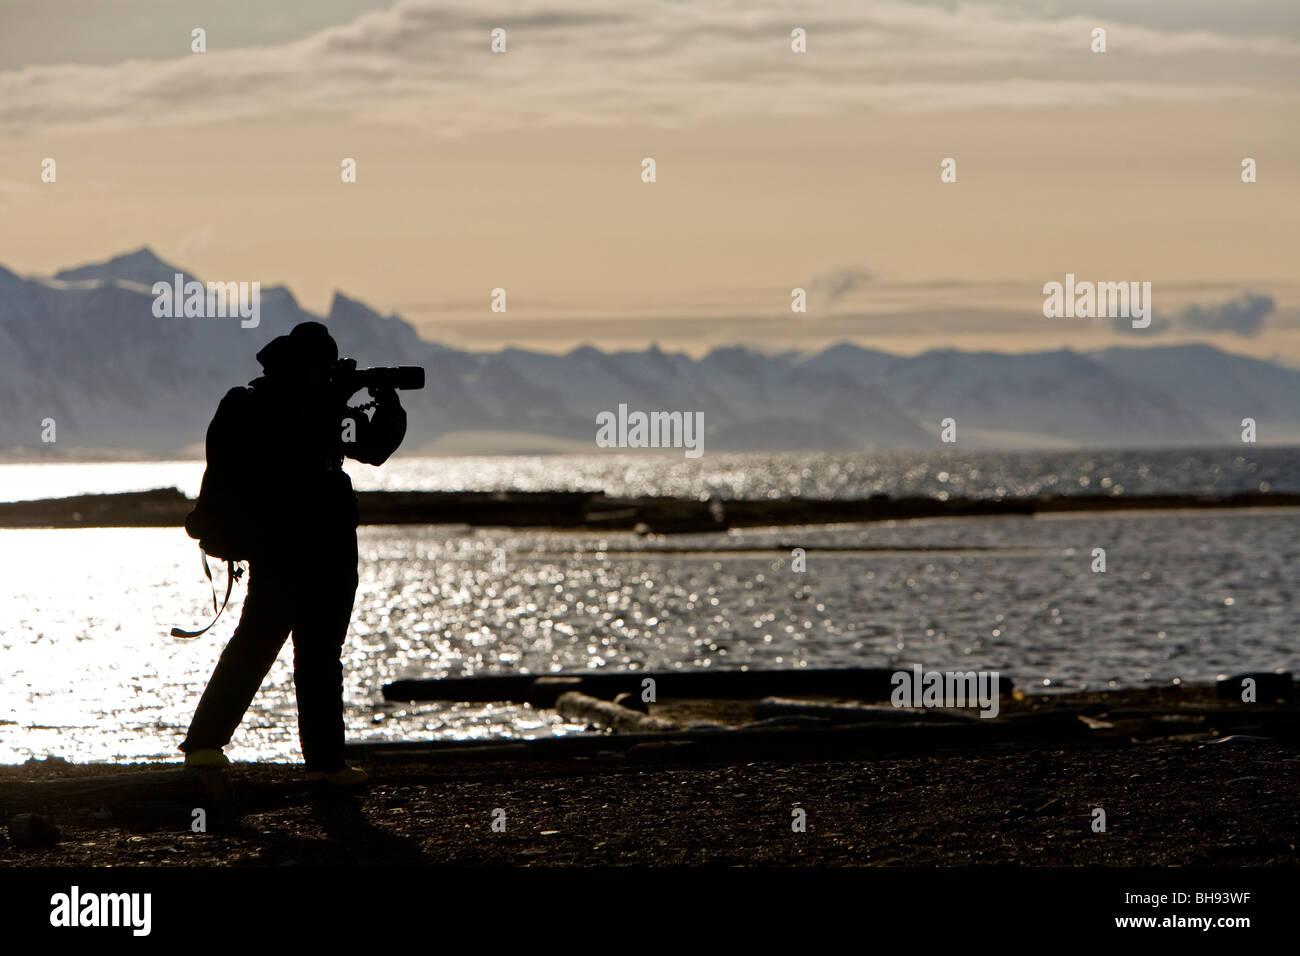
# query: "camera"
351,379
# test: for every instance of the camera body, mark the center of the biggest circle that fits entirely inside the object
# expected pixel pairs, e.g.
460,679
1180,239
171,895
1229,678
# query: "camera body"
349,379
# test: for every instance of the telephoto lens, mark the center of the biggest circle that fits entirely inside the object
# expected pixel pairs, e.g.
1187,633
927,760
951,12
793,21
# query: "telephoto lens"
406,377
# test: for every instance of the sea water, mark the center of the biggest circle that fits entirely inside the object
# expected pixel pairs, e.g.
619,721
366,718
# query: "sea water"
90,672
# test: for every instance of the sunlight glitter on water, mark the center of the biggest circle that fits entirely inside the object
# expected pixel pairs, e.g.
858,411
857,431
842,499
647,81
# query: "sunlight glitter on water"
91,673
758,475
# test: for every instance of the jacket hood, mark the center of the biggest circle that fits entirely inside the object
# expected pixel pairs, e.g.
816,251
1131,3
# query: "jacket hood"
308,345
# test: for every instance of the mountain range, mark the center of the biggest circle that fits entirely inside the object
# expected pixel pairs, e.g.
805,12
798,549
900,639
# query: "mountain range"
85,349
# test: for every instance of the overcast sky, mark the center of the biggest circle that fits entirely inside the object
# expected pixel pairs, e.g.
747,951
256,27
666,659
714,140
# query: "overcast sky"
775,169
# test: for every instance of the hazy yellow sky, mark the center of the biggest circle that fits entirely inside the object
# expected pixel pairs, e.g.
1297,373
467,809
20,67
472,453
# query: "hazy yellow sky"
820,170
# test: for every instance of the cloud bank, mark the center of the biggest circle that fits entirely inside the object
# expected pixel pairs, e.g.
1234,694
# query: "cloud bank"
1242,315
589,62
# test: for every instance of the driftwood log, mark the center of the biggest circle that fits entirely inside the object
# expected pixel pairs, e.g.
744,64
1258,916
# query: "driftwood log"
582,708
854,683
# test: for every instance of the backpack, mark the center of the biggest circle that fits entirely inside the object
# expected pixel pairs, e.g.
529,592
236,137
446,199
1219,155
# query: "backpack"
218,522
224,521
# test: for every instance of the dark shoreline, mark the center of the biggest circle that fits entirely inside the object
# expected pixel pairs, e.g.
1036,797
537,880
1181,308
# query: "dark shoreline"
595,511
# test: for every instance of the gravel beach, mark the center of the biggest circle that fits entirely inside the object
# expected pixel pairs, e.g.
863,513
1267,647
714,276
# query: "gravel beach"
1171,797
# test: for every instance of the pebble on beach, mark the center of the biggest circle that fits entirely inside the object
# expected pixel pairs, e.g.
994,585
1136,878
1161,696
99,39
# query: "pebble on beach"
33,831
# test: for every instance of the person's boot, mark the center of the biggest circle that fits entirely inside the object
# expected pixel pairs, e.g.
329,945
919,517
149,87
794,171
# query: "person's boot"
206,760
344,777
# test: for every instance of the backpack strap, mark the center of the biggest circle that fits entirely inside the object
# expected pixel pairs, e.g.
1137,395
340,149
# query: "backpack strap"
233,574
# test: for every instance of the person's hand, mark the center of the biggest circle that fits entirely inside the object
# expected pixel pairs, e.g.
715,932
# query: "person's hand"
382,396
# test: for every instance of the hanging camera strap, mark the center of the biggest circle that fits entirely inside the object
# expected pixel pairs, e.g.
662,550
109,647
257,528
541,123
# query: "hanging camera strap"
233,573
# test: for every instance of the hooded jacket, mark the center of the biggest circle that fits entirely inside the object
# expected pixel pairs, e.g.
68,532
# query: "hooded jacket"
274,482
285,454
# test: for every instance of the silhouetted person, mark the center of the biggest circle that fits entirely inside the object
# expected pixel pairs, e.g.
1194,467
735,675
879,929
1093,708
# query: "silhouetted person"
283,439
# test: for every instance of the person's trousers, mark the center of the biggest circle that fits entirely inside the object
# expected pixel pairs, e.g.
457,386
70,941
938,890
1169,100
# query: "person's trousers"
309,594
